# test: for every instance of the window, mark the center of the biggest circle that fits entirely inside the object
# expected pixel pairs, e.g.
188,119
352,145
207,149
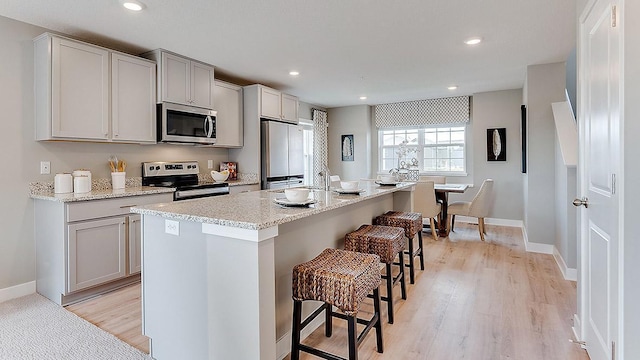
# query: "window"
307,133
437,149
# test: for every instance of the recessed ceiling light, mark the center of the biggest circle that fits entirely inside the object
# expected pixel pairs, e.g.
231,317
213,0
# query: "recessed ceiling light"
473,41
294,73
133,5
363,98
452,87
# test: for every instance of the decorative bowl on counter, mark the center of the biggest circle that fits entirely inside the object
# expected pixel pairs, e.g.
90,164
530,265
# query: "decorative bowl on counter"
297,194
219,176
349,185
387,178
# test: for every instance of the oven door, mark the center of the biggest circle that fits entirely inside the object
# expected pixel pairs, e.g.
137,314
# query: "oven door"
185,124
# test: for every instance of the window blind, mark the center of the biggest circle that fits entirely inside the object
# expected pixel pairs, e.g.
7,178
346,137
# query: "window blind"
451,110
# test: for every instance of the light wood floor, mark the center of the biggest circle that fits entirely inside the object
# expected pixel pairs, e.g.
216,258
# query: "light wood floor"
474,300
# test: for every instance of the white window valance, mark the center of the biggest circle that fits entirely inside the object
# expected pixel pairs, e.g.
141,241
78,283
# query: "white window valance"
451,110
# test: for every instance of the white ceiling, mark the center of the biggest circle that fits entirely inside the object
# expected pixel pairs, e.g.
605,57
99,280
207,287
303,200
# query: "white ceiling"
388,50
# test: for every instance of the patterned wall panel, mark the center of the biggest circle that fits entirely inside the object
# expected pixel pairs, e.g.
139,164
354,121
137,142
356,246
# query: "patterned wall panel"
452,110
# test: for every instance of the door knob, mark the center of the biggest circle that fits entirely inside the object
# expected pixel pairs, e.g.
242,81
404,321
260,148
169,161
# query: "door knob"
584,202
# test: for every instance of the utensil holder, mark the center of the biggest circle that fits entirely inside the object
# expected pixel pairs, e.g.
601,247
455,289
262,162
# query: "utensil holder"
118,180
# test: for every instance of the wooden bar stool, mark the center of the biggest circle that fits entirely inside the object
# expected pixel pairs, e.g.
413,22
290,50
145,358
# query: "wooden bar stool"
342,279
412,225
387,242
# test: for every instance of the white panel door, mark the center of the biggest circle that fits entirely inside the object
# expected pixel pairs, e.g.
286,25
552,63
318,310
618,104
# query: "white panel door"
95,252
289,108
79,90
600,162
202,83
135,244
133,99
270,103
176,78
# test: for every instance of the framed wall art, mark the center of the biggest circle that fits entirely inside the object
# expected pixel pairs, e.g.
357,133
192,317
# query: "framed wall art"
497,144
347,147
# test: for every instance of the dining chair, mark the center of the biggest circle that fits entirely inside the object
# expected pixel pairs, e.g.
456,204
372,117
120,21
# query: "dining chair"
478,207
424,202
435,179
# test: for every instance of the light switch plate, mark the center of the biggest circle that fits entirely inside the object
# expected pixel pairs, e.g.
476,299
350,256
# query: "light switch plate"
210,164
172,227
45,167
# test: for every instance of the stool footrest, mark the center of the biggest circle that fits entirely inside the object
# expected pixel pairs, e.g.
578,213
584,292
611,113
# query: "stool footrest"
320,353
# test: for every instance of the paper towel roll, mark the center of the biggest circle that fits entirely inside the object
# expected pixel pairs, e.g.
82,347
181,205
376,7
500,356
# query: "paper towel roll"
81,184
63,183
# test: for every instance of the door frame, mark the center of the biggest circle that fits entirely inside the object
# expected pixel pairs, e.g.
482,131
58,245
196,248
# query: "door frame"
581,324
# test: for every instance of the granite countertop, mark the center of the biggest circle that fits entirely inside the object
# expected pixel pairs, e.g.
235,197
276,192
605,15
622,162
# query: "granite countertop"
97,194
257,210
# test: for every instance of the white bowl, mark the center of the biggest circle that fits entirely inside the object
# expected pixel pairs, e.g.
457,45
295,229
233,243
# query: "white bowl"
349,185
297,194
387,178
219,176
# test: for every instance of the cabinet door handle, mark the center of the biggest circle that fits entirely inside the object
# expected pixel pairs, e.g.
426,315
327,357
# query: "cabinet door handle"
127,206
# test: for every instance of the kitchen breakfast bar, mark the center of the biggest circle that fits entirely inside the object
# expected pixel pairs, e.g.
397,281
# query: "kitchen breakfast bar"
216,278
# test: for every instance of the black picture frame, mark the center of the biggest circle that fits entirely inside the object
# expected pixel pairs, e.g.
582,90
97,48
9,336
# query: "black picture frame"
347,147
523,133
497,144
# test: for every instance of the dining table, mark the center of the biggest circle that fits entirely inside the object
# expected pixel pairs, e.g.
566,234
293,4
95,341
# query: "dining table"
442,195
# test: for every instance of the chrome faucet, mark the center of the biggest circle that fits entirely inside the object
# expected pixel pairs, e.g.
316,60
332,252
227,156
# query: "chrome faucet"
327,178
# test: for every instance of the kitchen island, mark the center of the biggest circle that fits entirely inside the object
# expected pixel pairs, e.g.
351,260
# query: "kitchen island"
217,271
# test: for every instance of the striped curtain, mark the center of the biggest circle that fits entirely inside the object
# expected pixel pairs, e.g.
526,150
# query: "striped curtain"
320,147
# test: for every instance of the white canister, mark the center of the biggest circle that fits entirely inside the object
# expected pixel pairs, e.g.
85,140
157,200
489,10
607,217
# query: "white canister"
83,172
118,180
81,184
63,183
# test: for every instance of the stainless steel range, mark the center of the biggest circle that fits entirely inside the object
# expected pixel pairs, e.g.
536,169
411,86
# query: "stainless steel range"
182,175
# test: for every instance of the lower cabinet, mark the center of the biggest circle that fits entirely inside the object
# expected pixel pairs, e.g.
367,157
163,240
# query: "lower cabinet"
90,247
96,252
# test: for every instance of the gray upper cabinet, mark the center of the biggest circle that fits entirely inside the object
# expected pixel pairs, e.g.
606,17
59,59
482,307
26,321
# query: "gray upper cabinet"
229,119
133,97
85,92
72,90
277,105
182,80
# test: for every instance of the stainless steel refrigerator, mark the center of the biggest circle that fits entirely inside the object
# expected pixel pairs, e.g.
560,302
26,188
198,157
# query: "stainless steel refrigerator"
282,154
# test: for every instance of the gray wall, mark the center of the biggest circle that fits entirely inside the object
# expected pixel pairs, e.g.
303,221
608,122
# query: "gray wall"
629,183
566,226
545,85
489,110
23,154
356,121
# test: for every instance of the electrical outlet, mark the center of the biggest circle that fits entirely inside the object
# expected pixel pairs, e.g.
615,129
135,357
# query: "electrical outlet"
45,167
210,164
172,227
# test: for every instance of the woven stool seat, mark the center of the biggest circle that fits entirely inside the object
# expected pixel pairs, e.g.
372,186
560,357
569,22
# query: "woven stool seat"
342,279
384,241
412,224
337,277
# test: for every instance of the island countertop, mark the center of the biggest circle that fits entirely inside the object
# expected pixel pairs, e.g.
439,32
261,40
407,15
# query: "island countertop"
257,210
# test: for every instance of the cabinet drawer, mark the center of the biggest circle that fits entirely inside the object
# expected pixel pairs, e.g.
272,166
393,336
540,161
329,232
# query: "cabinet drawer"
94,209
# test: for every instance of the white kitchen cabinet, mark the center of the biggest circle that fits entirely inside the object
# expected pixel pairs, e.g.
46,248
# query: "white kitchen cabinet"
229,119
289,104
277,105
85,92
96,252
133,99
135,244
71,89
86,248
182,80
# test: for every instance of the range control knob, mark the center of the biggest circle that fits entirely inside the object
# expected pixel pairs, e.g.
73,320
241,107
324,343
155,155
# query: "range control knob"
150,167
157,167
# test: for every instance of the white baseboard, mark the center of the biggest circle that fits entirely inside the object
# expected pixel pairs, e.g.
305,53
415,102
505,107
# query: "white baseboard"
576,328
568,273
283,346
17,291
490,221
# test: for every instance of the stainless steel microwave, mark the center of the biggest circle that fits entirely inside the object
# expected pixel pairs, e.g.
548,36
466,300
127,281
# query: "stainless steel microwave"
186,124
